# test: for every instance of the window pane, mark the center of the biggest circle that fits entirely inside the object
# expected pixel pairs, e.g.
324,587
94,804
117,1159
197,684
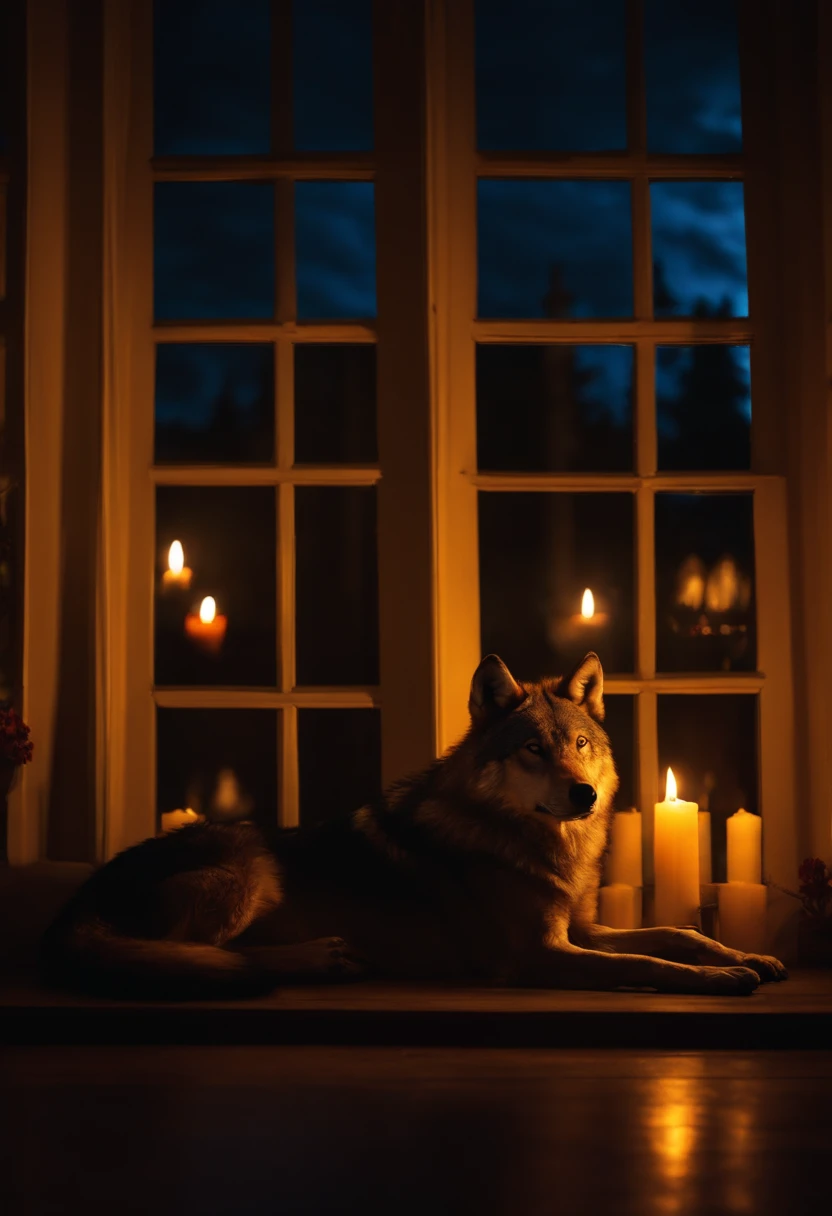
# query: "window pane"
332,75
336,584
703,406
619,723
698,249
705,614
211,75
213,255
214,403
710,742
538,553
693,76
227,535
335,404
554,249
335,246
222,763
339,758
551,76
555,408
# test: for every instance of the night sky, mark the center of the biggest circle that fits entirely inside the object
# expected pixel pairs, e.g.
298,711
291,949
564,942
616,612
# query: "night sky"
552,77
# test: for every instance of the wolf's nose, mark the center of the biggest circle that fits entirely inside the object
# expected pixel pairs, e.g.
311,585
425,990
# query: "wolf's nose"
582,796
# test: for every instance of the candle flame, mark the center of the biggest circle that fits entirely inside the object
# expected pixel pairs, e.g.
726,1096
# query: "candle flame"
588,605
176,557
208,610
670,792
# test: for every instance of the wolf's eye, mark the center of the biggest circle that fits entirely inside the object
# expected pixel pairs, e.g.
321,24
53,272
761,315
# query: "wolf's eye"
581,741
534,747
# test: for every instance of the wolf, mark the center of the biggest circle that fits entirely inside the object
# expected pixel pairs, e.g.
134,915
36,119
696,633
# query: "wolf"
484,869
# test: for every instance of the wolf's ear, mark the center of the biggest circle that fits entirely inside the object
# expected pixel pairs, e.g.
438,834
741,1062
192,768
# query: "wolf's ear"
586,686
493,690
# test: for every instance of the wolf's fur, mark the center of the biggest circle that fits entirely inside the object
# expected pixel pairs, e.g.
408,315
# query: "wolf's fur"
485,868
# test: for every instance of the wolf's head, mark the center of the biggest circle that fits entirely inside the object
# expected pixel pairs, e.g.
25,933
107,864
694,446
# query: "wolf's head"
539,748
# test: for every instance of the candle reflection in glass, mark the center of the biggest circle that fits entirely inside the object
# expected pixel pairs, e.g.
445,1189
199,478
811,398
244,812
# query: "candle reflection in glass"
177,573
207,628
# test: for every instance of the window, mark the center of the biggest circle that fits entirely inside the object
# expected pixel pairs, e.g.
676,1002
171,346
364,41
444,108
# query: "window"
605,405
265,438
438,303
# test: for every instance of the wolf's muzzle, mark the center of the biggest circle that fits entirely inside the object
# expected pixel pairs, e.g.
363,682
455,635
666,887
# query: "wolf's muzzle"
583,798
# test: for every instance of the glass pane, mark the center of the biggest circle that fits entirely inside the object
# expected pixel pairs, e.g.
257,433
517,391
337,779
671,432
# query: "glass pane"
619,723
228,541
222,763
698,249
339,758
555,408
335,247
550,77
703,406
554,249
710,742
214,403
213,251
211,76
336,578
332,75
539,552
335,404
692,66
705,614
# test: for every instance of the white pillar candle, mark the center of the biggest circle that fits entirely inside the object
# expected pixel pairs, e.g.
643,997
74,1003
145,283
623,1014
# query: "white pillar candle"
619,906
704,847
745,859
742,916
676,859
624,857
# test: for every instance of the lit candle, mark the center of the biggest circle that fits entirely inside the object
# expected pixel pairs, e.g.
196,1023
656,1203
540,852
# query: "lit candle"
177,573
208,628
589,618
704,847
676,859
585,627
742,916
619,906
624,857
745,862
172,821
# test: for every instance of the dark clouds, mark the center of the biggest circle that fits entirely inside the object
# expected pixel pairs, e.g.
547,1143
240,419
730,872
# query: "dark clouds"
213,251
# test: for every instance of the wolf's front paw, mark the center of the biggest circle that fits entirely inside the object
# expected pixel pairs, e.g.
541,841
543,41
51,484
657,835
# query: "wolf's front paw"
729,981
334,959
768,968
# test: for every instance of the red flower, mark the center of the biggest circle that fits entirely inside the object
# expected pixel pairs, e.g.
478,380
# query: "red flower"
15,744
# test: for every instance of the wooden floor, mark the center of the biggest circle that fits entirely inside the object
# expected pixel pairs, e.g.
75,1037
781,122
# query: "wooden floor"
798,1012
319,1130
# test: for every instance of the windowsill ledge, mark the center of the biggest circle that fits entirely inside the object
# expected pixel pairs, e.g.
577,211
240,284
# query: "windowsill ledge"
797,1014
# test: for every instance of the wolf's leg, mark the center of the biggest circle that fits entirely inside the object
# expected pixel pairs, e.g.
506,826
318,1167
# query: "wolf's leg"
681,946
573,967
326,958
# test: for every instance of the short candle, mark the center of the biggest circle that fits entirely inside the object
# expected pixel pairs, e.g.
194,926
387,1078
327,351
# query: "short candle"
208,628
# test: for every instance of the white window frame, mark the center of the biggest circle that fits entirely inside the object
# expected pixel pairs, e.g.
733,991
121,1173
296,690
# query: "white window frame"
127,732
458,331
